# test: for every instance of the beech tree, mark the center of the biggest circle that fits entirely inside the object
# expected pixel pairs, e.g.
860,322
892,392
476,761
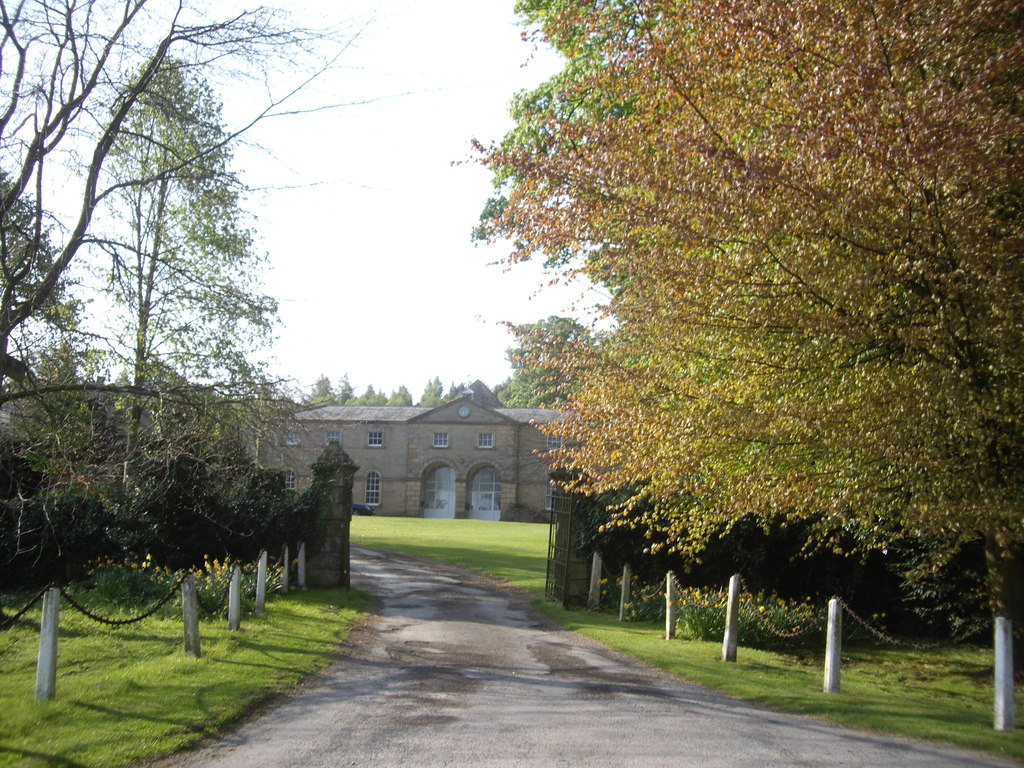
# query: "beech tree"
808,216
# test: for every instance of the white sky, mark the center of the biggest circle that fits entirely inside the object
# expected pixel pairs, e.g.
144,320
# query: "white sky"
368,223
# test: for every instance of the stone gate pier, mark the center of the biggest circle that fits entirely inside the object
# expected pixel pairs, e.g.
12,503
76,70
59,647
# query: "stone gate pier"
329,566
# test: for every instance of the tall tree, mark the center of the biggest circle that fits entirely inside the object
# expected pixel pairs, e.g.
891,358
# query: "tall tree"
345,393
321,393
183,272
26,256
71,73
455,391
537,378
433,393
371,397
809,218
400,396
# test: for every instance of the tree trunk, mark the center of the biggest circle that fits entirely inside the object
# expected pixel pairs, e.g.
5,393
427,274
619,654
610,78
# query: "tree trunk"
1006,591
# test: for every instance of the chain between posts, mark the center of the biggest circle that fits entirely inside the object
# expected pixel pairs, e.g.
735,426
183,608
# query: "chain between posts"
887,638
767,624
121,622
221,602
877,633
9,621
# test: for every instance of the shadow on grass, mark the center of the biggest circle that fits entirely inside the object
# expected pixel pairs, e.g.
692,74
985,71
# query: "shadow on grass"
52,760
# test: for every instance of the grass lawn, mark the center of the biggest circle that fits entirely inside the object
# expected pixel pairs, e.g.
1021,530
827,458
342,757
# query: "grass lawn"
126,694
943,694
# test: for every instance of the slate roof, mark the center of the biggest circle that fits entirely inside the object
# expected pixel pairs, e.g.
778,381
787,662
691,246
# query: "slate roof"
477,393
362,413
399,413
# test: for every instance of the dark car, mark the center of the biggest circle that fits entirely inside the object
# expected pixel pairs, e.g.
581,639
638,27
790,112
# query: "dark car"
361,509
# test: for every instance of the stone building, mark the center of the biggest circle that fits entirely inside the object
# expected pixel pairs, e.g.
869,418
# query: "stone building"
468,458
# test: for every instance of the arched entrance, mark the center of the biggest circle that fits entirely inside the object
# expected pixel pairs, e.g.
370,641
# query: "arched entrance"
439,492
485,494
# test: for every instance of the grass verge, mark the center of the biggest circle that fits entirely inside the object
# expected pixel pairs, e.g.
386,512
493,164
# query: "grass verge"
126,694
943,694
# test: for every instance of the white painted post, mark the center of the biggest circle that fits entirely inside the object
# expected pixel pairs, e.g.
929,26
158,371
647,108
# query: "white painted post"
732,620
833,646
300,574
46,665
670,605
235,599
261,584
190,615
1004,705
594,598
627,576
286,567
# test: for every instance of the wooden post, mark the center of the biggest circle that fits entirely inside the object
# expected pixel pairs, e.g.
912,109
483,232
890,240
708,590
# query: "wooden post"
732,620
300,569
833,646
627,577
286,567
235,599
46,665
190,614
594,598
670,605
261,584
1004,705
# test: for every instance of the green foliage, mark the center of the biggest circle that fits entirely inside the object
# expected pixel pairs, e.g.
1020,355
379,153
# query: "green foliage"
370,397
433,394
51,536
177,508
537,380
183,271
320,394
765,620
133,585
904,582
401,397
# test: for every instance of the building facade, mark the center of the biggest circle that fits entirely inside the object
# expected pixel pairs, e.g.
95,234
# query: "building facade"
468,458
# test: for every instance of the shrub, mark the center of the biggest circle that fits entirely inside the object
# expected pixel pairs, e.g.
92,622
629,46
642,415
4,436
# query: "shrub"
765,620
133,586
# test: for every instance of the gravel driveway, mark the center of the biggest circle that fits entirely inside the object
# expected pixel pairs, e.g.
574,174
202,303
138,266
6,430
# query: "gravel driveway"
456,672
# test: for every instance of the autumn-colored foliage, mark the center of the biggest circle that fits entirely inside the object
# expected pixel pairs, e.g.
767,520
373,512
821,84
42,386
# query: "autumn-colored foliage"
808,216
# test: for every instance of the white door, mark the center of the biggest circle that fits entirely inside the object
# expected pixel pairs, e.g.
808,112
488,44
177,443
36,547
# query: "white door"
485,495
439,493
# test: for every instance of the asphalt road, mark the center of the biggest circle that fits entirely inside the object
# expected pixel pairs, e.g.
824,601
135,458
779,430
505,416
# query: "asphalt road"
454,671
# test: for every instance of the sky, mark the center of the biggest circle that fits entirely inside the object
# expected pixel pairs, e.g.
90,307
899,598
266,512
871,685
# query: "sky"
365,211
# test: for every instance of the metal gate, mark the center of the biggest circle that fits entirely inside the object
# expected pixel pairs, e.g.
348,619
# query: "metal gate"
567,579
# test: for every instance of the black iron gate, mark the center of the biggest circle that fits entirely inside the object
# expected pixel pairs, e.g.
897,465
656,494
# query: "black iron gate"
567,579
